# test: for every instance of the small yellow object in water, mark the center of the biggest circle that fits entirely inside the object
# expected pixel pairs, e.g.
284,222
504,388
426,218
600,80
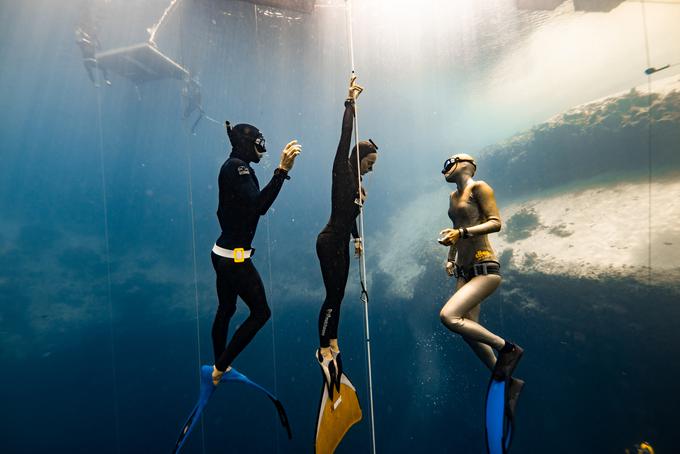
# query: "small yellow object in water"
645,448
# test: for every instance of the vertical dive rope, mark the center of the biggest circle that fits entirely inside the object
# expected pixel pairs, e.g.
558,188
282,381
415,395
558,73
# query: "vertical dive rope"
154,29
362,258
100,129
649,146
193,248
269,256
271,299
193,219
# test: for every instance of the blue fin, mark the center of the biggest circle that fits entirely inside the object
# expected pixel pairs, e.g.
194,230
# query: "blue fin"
206,392
501,400
235,376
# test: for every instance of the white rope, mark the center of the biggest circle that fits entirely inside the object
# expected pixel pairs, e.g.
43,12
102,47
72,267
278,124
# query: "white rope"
269,259
108,259
649,146
271,302
193,230
193,248
154,29
362,258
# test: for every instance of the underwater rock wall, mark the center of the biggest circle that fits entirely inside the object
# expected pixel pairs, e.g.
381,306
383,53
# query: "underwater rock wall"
575,197
591,141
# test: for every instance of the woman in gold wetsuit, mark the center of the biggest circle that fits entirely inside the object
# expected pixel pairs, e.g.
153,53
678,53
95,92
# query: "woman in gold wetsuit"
473,262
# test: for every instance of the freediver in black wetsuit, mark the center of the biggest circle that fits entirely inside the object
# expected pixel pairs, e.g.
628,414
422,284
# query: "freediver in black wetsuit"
192,100
88,44
331,244
241,203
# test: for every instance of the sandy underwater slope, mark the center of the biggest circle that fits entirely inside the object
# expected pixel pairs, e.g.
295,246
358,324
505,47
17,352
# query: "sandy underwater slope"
597,231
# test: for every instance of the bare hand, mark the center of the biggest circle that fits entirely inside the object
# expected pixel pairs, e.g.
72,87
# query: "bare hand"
289,154
358,248
354,89
449,237
449,268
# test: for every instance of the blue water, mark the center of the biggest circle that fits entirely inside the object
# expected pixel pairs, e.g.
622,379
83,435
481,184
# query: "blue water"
104,192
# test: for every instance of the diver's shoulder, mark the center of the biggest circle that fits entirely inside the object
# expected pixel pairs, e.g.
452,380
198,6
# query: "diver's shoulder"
481,186
233,167
233,161
232,164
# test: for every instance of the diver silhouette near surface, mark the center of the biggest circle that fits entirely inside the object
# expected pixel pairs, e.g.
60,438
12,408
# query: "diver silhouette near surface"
88,42
192,104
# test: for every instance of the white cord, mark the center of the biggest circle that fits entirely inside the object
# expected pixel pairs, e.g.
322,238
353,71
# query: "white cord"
362,258
108,261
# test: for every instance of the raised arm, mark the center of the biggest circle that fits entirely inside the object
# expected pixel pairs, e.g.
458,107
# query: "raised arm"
342,153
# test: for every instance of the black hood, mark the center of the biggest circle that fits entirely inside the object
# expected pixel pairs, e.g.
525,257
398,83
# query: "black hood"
246,141
366,147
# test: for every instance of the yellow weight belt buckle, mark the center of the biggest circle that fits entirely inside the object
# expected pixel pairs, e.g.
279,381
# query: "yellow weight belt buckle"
239,255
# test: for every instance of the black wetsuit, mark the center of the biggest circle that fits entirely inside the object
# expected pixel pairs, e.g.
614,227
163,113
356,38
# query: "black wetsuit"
240,207
88,48
332,245
192,98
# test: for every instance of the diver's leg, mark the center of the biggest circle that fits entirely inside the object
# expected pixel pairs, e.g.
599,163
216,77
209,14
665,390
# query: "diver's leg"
193,127
483,351
105,73
333,272
332,262
463,301
226,295
89,67
333,329
251,291
342,285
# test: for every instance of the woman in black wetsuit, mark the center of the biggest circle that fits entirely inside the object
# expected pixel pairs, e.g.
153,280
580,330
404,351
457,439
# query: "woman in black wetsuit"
331,244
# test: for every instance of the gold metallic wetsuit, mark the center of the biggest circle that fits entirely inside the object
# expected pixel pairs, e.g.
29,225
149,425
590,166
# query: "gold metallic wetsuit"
475,211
